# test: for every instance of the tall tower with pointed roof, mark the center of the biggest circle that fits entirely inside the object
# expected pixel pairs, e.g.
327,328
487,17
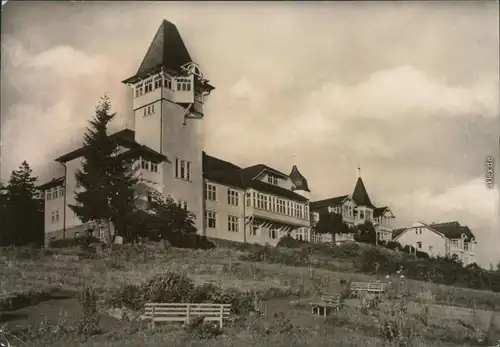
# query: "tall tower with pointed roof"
169,91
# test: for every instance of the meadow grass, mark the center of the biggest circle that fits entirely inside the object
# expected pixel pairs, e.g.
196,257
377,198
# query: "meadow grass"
433,317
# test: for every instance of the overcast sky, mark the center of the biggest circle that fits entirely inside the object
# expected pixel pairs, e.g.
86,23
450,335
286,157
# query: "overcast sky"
408,91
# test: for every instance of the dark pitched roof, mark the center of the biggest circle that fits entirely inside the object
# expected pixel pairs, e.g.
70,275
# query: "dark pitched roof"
315,205
378,211
54,182
167,50
452,230
124,138
397,232
252,171
211,163
298,179
223,172
360,195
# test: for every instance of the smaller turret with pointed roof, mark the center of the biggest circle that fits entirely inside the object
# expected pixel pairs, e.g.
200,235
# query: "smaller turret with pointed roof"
300,183
360,195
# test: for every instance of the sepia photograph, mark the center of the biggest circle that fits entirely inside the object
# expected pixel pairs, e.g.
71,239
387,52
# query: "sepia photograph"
320,173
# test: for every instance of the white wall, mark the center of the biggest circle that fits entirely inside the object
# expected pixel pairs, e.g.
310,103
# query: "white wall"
432,243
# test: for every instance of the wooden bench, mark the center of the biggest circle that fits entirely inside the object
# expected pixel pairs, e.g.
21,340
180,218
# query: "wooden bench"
326,301
185,312
368,287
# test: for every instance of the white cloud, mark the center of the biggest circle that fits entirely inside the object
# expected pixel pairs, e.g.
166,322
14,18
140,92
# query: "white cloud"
472,198
69,62
402,91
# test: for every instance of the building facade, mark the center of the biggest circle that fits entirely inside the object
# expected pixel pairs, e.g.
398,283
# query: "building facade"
253,204
256,204
169,91
355,209
449,239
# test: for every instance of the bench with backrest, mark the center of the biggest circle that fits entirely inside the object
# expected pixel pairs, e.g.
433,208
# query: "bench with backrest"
186,312
326,301
368,287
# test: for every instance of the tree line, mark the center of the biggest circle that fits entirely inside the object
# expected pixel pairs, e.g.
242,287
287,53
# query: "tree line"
108,196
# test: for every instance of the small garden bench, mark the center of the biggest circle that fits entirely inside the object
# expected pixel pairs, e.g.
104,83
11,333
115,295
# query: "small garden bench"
368,287
327,301
185,312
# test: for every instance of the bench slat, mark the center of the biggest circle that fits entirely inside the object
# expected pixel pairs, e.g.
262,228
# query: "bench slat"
168,304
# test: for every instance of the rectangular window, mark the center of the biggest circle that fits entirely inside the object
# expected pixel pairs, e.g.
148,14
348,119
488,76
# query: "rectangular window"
77,234
144,164
273,234
362,214
249,199
183,84
419,244
454,243
272,179
233,223
49,194
138,90
167,82
148,86
61,192
154,167
232,197
210,219
157,82
210,192
183,169
183,204
254,230
55,216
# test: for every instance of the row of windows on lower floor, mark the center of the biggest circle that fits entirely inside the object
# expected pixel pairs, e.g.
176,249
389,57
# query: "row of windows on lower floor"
233,225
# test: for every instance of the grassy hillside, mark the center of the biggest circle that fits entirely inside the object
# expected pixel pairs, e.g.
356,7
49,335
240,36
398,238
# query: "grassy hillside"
280,282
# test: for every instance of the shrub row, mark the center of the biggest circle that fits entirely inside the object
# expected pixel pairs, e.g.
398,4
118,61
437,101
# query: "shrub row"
174,287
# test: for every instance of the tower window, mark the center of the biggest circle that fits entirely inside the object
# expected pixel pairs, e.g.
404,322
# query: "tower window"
183,169
167,82
183,84
149,110
158,82
148,86
138,90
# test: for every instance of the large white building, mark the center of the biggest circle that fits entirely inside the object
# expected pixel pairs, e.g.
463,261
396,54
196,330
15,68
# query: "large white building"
253,204
439,239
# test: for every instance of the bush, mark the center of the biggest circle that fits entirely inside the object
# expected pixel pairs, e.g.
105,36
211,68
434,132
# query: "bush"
202,330
393,245
289,242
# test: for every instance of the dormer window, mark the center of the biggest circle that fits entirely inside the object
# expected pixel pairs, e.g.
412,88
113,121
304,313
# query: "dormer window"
272,179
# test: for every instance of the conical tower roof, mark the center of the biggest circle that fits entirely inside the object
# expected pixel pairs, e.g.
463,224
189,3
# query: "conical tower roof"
298,179
167,50
360,195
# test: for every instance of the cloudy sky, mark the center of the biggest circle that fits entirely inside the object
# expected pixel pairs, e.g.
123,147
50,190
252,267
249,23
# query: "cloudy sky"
408,91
